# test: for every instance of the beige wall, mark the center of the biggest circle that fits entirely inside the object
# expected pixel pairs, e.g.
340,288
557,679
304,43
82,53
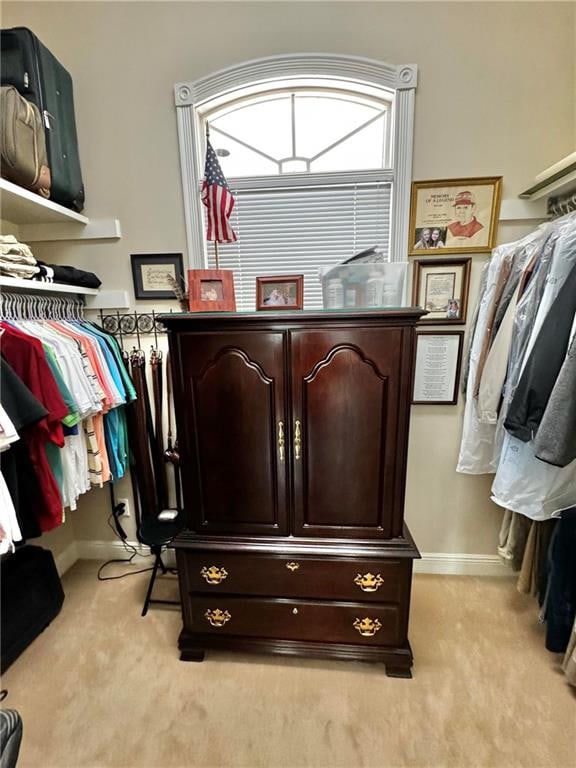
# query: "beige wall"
495,96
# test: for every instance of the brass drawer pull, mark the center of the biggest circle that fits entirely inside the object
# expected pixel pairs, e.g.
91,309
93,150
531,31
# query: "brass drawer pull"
297,440
367,627
281,441
216,617
214,575
292,566
368,582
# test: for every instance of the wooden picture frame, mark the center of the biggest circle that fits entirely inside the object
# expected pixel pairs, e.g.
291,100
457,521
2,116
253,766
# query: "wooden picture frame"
437,368
211,290
454,215
150,273
440,286
280,292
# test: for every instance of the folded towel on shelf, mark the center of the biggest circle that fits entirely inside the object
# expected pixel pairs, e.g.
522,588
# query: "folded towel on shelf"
21,271
16,259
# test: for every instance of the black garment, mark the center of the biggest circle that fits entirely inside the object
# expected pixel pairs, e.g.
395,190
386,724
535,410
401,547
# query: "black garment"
69,275
561,596
23,410
543,365
555,442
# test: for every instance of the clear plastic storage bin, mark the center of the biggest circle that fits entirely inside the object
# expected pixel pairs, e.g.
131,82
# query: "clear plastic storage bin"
364,286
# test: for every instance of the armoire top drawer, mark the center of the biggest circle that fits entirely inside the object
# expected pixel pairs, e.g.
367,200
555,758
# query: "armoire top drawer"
382,580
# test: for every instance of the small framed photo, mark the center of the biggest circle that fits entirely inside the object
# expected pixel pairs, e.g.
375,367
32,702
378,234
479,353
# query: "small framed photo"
454,215
438,361
153,274
211,290
280,292
440,286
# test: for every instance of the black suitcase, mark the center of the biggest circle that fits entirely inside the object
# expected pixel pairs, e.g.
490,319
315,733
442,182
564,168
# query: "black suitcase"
31,68
31,595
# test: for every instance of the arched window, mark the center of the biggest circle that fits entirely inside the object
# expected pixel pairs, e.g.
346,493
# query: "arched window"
317,151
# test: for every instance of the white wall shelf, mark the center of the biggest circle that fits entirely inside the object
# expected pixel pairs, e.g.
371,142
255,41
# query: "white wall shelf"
43,220
559,179
33,285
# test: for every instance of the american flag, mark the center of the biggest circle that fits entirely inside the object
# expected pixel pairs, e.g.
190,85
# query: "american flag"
218,200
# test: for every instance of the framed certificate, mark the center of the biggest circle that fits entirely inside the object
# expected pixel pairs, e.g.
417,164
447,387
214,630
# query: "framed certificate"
440,286
154,275
438,360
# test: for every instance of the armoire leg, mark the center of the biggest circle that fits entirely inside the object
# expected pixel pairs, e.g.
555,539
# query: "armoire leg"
187,655
398,670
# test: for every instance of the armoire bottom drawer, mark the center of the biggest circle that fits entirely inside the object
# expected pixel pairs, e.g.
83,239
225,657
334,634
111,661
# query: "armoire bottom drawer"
380,580
318,621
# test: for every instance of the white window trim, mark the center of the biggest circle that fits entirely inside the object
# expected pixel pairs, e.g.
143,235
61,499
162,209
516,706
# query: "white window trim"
401,80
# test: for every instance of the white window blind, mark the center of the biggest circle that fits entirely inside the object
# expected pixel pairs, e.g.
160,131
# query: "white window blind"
295,231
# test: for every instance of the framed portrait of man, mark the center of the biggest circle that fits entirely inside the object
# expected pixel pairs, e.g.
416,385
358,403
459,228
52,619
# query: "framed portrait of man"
454,215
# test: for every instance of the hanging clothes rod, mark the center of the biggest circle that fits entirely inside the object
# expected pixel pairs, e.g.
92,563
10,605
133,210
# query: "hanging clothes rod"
28,306
560,206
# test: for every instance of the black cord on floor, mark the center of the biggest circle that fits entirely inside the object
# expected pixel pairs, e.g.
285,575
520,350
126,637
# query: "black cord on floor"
130,549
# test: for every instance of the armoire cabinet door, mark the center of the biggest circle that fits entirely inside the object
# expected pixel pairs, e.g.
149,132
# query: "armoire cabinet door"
232,403
349,425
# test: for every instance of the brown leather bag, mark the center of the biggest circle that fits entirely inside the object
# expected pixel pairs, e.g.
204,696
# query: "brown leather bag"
23,143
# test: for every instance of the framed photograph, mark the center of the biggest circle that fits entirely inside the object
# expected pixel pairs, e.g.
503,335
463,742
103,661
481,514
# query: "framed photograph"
440,286
152,274
454,215
438,360
211,290
280,292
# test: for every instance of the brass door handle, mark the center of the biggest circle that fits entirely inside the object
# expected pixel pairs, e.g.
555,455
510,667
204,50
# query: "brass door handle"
367,627
214,575
292,566
368,582
281,441
297,440
216,617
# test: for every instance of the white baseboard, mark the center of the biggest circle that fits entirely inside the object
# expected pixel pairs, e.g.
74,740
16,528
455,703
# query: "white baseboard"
444,563
108,550
461,565
66,558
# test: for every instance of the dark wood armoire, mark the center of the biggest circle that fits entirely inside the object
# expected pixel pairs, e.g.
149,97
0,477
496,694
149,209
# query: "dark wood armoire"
293,434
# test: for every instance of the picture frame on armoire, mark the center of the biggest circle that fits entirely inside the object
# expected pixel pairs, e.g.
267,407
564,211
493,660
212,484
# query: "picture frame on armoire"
280,292
211,290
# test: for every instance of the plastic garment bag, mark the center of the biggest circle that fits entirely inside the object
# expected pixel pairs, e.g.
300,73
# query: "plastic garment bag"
523,483
526,311
477,445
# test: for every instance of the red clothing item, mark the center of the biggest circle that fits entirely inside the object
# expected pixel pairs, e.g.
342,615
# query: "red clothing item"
465,230
26,356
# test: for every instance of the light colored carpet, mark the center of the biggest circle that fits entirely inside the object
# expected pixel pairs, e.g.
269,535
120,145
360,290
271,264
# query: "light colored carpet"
104,687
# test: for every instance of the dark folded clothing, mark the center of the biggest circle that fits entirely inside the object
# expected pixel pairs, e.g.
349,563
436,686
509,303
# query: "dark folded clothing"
56,273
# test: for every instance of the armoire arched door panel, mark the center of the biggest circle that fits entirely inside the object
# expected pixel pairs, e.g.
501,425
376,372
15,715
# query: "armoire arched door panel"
345,397
234,404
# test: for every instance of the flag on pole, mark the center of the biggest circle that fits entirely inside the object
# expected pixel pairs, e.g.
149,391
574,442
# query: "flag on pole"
218,200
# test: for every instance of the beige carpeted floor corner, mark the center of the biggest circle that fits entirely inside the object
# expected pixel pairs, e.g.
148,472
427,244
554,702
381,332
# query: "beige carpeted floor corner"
103,687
